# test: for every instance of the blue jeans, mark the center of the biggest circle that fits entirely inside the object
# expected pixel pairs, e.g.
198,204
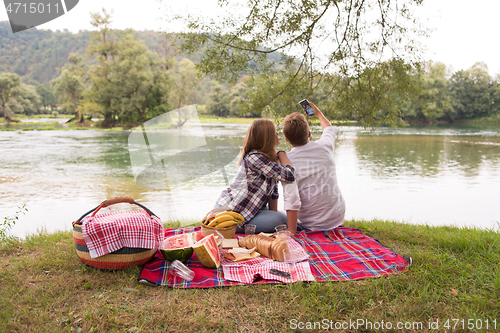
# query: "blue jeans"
266,220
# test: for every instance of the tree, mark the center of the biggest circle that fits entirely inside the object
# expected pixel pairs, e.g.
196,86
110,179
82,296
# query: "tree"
493,97
16,96
219,101
435,100
102,41
28,99
103,47
267,87
69,87
238,99
8,91
183,91
183,83
70,84
377,94
470,89
307,44
46,95
138,78
129,83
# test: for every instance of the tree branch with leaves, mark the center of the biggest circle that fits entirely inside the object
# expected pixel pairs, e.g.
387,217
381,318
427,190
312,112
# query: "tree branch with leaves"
309,45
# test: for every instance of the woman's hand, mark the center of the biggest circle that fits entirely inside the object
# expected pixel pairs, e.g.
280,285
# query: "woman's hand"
283,158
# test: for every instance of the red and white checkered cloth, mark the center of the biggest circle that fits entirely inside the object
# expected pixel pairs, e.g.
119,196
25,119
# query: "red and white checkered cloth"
109,232
247,271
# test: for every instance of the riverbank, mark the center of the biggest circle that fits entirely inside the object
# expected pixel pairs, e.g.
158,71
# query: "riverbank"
52,124
59,123
491,120
455,275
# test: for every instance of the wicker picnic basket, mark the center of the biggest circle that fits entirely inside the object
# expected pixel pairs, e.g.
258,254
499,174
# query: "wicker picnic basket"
119,259
227,233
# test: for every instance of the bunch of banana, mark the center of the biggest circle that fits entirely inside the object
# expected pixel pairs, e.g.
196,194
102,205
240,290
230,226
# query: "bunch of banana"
224,220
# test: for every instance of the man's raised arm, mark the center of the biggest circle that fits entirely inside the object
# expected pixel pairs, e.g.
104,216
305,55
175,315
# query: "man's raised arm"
322,119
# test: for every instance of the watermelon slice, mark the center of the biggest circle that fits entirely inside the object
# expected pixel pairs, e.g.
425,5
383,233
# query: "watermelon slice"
207,252
199,235
178,247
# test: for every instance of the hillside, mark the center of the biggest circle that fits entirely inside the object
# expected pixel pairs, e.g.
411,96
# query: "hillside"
36,54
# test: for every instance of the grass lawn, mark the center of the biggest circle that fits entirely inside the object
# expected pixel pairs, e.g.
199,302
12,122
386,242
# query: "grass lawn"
455,275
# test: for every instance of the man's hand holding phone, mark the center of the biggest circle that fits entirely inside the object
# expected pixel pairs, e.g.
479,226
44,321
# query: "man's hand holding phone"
316,111
308,109
312,110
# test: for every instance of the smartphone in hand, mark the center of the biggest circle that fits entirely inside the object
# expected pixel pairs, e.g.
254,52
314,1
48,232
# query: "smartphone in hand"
307,107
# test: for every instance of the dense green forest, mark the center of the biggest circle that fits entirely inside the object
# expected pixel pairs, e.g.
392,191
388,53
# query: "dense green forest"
127,77
45,72
35,55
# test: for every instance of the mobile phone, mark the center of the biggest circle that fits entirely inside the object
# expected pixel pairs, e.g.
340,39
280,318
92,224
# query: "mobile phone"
286,275
307,107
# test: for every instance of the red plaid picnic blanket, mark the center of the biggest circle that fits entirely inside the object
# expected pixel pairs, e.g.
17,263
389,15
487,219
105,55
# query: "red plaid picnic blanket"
348,254
108,232
340,254
262,267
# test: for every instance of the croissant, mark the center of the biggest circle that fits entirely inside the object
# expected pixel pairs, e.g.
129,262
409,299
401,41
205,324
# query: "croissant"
267,246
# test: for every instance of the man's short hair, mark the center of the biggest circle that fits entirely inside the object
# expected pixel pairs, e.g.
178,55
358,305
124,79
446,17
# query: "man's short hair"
296,129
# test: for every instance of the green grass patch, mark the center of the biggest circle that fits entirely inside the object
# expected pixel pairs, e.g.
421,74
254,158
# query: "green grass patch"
491,120
40,115
224,120
455,275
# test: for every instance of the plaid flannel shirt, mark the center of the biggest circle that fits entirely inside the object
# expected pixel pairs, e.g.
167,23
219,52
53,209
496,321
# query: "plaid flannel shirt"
254,185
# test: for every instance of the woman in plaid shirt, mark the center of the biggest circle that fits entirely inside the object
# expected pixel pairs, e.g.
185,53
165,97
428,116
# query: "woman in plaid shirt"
256,183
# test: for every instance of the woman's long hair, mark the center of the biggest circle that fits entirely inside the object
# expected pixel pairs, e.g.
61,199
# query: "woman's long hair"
261,136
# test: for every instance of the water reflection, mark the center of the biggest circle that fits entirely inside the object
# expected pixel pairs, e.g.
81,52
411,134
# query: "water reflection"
162,157
415,176
426,156
62,174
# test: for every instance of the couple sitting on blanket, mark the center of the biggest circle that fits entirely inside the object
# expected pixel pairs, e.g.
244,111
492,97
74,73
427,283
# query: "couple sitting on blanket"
312,199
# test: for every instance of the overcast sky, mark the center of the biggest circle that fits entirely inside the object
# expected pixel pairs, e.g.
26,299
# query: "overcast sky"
464,34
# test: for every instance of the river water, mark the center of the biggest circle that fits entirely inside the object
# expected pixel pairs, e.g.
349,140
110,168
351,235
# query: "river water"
421,175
